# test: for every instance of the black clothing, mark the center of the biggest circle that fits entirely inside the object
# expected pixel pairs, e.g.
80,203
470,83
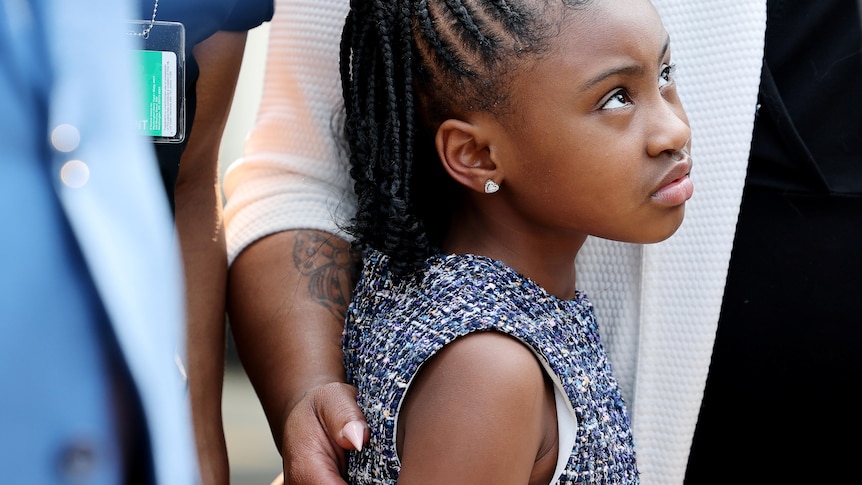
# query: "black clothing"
201,19
779,404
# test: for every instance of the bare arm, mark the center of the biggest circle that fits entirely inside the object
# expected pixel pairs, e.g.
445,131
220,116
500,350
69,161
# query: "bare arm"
481,411
292,177
201,235
287,296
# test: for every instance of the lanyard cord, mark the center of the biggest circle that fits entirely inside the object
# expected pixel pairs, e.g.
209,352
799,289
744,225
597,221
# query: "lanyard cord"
146,32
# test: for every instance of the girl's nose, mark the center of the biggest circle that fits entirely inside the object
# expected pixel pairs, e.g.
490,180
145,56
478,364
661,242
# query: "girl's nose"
670,130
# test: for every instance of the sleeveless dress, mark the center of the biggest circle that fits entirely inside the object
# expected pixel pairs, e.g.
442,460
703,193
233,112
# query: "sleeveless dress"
395,325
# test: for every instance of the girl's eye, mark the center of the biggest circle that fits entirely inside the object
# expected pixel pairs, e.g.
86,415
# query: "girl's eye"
666,76
619,99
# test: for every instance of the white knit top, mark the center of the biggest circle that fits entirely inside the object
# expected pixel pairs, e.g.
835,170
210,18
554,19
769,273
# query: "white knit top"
292,174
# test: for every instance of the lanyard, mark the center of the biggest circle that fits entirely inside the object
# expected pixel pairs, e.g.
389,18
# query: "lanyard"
146,32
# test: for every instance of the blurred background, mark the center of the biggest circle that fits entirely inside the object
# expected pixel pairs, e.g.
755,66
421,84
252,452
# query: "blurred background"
252,454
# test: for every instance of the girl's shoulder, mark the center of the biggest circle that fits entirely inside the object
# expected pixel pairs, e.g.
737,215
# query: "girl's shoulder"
482,408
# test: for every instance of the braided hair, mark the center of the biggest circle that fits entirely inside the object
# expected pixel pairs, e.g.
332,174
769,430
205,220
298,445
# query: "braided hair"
406,66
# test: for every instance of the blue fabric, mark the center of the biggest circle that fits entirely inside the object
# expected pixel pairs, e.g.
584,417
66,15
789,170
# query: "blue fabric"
90,288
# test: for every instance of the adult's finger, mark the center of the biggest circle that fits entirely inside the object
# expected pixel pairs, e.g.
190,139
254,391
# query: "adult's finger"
325,423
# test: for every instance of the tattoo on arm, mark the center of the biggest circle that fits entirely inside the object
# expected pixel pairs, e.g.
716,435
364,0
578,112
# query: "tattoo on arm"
329,267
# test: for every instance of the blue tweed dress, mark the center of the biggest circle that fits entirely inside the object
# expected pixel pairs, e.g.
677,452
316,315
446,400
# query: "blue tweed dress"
394,326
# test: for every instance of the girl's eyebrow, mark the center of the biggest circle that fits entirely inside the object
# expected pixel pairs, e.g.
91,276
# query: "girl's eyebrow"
631,69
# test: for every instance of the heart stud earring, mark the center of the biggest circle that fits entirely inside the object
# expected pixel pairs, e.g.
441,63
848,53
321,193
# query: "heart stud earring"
491,186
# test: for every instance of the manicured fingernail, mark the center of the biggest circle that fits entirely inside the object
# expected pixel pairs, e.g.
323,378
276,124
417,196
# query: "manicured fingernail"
354,432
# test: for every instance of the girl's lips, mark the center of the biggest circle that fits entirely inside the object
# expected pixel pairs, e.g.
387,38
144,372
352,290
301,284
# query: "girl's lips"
676,192
677,187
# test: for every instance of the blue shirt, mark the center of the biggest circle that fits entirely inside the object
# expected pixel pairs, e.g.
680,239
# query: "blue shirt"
90,283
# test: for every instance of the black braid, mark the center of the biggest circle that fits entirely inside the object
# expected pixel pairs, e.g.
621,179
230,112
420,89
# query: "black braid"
449,59
513,18
400,58
472,33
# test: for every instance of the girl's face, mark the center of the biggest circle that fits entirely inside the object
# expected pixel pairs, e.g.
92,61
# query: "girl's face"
597,142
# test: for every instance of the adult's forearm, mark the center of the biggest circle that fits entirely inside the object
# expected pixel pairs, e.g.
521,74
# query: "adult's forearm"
202,239
287,294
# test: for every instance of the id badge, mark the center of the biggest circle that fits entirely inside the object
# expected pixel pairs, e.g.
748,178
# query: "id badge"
161,106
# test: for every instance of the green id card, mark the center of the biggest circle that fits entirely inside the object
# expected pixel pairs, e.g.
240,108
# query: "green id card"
157,106
161,104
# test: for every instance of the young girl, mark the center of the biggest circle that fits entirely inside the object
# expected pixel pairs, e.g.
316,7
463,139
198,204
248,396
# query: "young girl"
488,139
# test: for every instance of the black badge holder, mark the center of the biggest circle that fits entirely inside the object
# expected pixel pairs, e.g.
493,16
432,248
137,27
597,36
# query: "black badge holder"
161,109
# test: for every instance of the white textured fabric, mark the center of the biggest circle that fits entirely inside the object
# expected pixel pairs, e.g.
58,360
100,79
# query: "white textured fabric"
657,305
292,174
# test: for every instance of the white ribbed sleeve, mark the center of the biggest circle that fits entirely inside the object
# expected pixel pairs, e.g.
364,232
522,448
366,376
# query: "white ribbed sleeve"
292,174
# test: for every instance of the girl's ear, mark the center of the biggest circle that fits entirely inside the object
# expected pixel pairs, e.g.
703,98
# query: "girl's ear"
464,151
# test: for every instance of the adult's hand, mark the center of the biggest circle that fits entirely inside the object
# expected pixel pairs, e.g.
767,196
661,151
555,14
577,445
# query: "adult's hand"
319,429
